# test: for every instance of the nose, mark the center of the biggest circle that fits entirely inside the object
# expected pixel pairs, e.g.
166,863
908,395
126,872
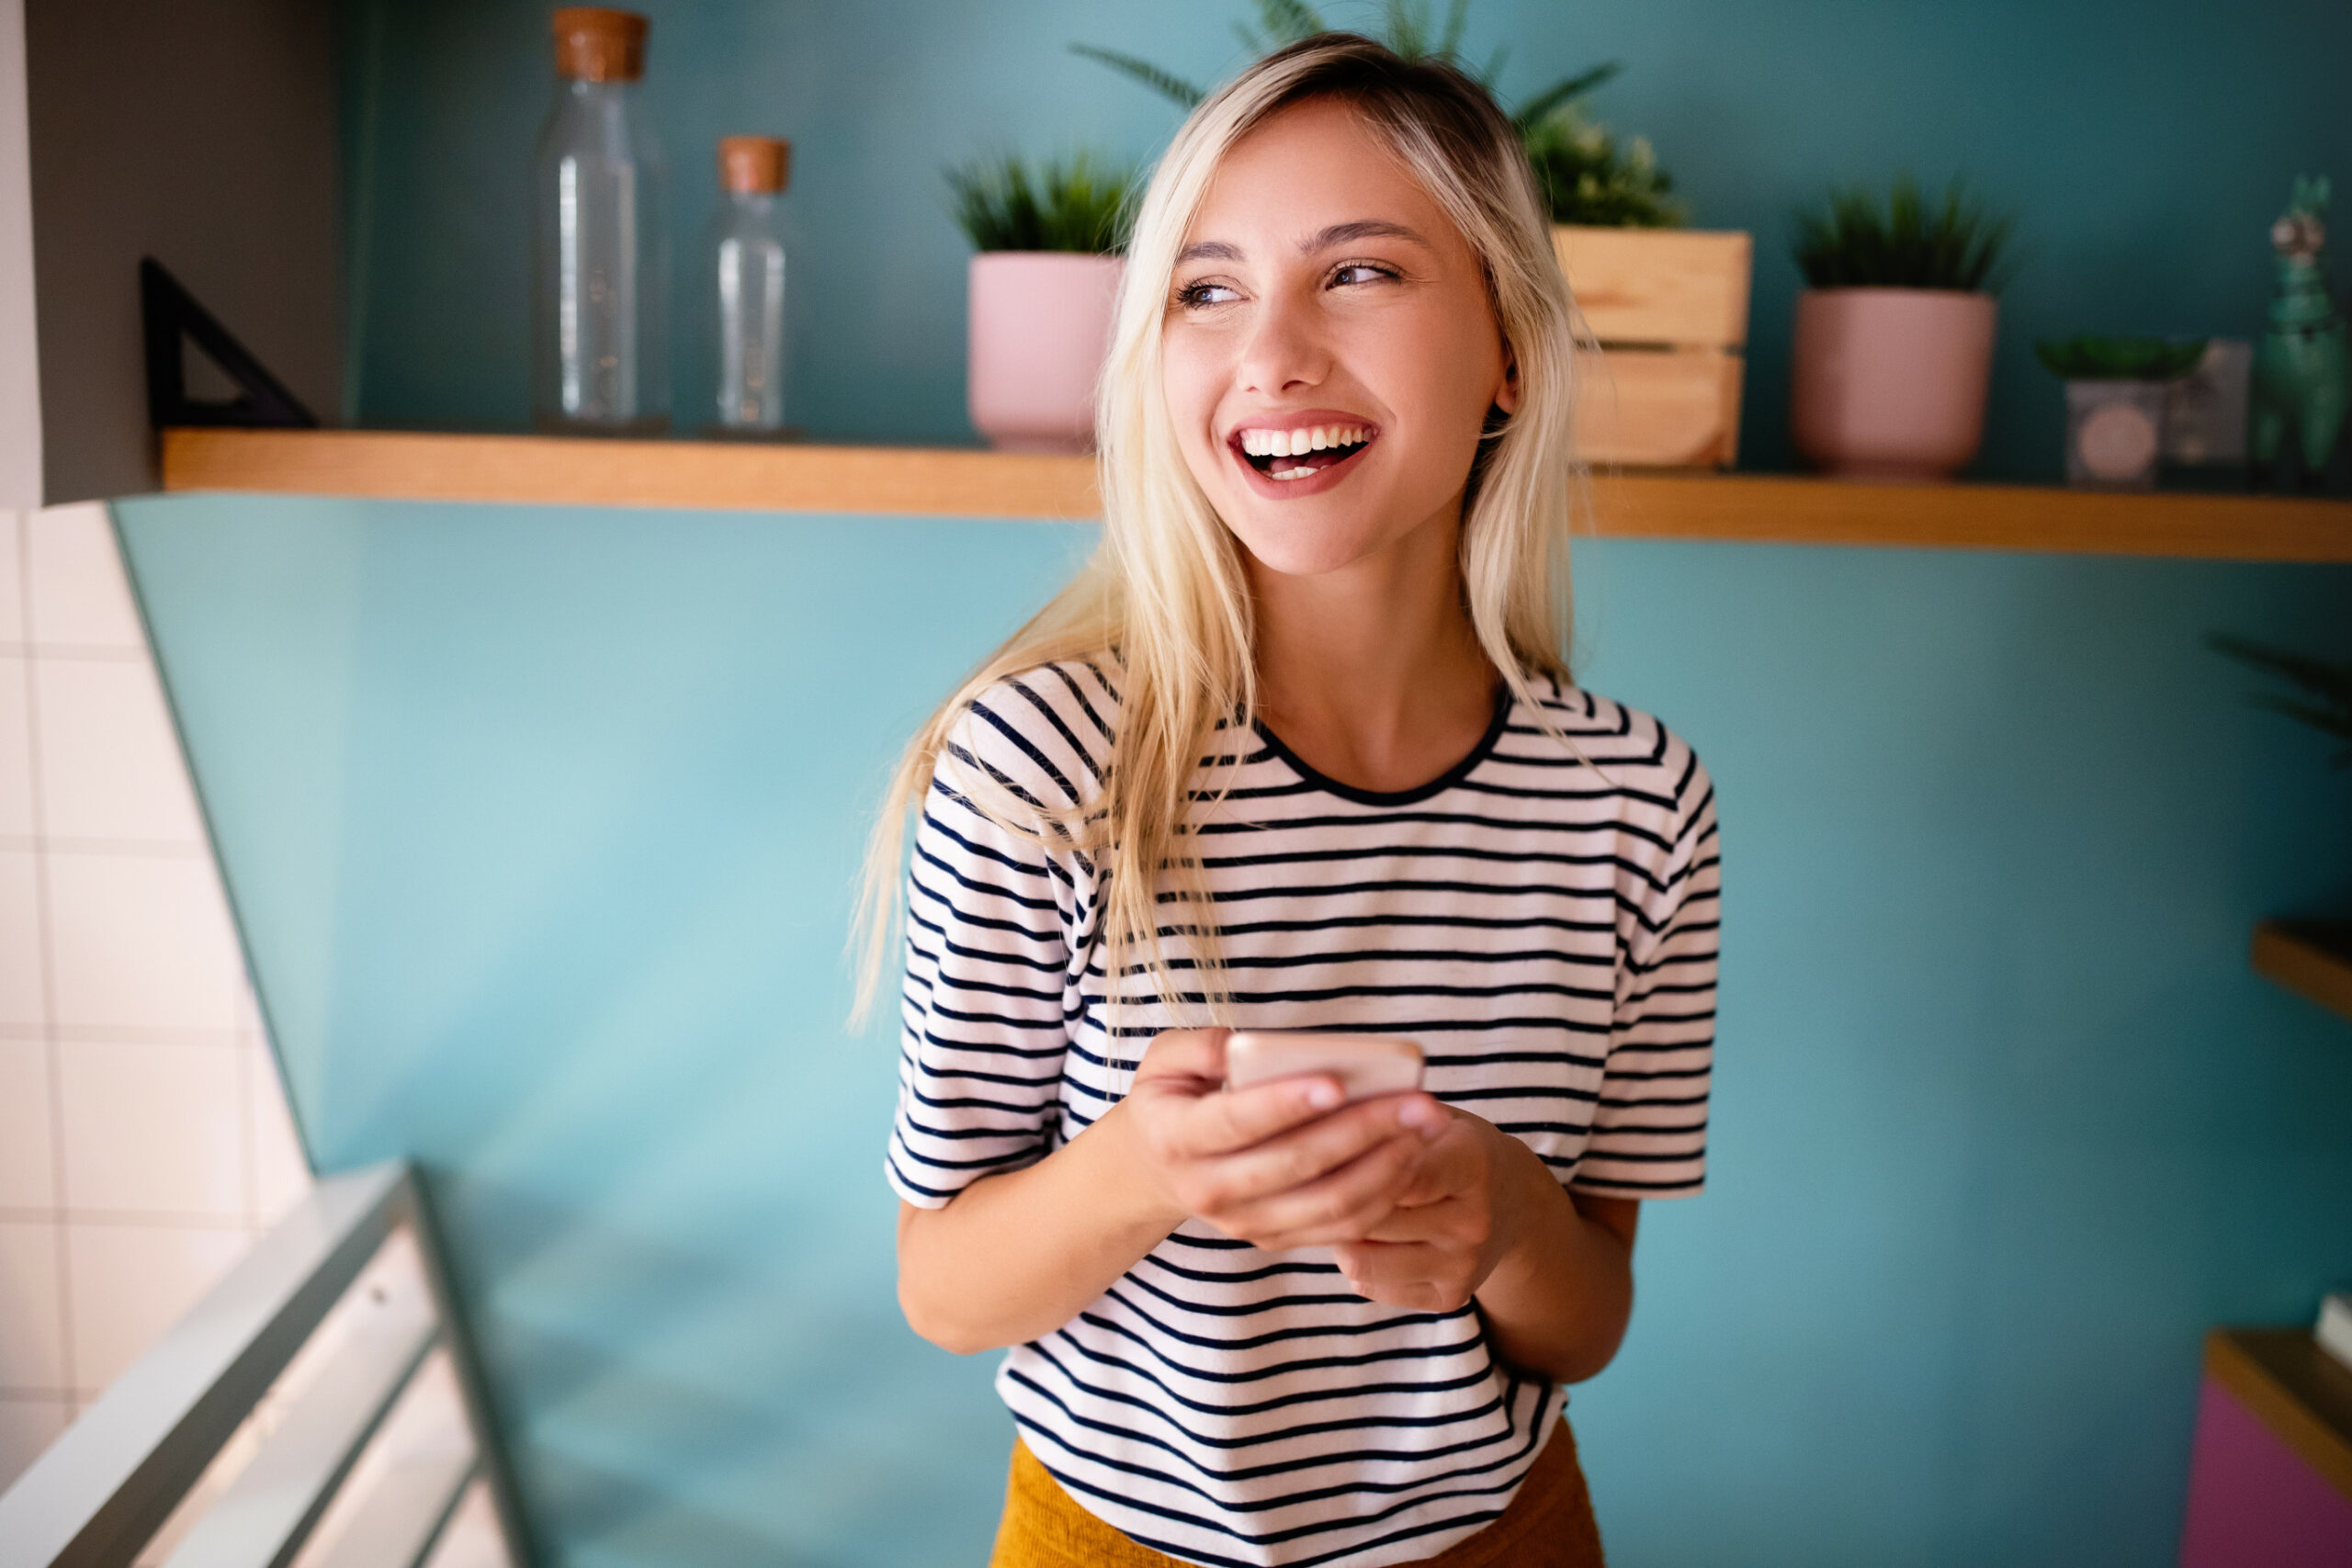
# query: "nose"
1285,350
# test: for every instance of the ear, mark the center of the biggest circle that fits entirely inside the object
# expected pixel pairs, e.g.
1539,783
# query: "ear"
1507,395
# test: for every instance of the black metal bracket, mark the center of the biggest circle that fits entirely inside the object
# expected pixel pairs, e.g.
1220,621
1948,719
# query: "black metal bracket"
172,319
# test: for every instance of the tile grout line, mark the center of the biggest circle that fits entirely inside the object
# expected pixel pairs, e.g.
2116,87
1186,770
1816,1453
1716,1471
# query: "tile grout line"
118,849
248,1175
76,652
137,1219
46,940
194,1038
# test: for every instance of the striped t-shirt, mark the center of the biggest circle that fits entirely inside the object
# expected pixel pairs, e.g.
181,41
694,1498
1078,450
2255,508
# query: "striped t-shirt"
1544,923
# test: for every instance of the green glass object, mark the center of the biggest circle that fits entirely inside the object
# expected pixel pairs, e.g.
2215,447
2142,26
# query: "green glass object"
2119,358
2303,367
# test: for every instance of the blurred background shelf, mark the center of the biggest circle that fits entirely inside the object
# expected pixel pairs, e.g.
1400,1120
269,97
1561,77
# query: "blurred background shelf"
2313,960
967,483
2293,1387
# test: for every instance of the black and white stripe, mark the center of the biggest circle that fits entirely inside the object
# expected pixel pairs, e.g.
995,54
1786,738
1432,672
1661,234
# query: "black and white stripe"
1543,920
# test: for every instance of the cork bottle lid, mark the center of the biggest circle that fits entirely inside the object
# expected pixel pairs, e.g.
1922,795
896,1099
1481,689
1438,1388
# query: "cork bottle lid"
750,165
593,44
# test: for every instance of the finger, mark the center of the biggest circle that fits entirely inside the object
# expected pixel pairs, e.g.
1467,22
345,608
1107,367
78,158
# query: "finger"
1450,1169
1241,1119
1410,1223
1185,1053
1314,1142
1392,1269
1337,1207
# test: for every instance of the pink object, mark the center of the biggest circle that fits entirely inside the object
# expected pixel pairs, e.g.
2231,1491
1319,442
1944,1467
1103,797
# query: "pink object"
1889,383
1040,324
2253,1501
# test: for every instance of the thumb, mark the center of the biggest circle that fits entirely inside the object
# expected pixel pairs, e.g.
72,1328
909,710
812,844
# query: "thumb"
1185,1057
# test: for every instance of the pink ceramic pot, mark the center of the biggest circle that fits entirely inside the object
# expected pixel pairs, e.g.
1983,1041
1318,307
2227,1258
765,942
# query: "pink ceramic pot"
1889,383
1041,324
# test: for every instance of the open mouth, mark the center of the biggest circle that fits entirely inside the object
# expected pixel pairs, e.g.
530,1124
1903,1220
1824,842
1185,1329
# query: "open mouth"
1301,453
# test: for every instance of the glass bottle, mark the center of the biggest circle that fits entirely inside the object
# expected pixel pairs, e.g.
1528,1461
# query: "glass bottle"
600,297
744,264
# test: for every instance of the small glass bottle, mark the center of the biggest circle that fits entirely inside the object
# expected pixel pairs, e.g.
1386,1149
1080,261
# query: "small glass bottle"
744,264
600,301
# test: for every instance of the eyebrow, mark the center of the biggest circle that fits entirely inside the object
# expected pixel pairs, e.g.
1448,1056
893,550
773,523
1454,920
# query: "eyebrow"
1322,239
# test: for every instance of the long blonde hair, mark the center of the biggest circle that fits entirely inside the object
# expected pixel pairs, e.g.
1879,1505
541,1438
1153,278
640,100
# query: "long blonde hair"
1164,597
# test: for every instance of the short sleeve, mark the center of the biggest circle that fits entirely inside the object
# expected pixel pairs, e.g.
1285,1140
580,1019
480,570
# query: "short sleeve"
1649,1123
989,910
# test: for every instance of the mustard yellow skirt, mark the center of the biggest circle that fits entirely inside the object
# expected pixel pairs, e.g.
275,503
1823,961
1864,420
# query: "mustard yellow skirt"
1548,1525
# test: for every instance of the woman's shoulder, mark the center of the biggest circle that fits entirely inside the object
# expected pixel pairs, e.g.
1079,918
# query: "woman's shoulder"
1044,731
1646,759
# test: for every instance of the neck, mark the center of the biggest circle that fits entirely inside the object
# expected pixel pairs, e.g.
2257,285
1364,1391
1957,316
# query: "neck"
1373,673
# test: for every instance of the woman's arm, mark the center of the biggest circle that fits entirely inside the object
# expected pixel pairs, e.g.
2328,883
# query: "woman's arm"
1487,1220
1016,1256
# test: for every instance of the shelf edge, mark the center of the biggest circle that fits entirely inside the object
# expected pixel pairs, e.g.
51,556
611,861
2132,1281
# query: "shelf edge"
2242,1361
2291,956
1657,504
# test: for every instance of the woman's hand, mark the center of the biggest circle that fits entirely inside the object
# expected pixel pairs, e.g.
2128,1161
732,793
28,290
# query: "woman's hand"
1467,1207
1279,1165
1484,1219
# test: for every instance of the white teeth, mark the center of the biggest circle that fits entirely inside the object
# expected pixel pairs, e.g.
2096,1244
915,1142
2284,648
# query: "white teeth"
1265,443
1293,473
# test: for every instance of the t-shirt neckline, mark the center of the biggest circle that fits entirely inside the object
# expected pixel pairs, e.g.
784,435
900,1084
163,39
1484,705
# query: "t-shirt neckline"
1438,785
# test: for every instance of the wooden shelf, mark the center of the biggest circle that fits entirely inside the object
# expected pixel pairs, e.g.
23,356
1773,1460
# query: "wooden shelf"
922,482
2290,1385
2313,960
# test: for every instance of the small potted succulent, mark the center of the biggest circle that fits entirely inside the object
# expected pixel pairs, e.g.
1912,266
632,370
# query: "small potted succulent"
1043,287
2115,403
1894,347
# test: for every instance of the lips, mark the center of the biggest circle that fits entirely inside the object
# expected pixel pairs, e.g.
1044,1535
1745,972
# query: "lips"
1300,453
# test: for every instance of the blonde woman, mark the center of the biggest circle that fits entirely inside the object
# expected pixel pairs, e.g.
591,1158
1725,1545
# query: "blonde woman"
1300,750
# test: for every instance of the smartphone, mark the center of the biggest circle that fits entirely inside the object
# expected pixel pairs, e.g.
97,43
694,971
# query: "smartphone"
1365,1065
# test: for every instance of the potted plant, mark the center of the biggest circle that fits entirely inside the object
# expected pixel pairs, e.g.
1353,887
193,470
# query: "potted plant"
1674,299
1894,344
1042,289
2116,388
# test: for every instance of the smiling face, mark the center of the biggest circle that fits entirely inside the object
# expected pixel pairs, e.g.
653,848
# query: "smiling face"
1329,353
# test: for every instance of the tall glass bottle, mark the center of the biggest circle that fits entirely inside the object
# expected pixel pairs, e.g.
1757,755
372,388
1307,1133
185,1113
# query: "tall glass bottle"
600,297
744,264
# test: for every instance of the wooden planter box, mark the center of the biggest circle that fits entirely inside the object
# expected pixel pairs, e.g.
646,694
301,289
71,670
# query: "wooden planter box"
1669,308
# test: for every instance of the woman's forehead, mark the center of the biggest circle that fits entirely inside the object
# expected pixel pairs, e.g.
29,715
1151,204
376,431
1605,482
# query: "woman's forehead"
1315,173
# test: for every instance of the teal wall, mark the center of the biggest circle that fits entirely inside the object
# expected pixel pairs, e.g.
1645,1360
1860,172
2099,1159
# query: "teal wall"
2146,148
540,823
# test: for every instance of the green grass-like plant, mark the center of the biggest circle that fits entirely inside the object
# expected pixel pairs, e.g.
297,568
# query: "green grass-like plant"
2118,358
2326,705
1853,241
1078,203
1585,177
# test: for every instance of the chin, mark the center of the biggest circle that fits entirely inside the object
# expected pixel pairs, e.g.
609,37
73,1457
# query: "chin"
1298,547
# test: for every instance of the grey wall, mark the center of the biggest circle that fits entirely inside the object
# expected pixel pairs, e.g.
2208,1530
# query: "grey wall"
203,135
19,380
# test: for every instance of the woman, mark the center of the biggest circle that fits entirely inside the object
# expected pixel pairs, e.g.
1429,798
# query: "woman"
1299,750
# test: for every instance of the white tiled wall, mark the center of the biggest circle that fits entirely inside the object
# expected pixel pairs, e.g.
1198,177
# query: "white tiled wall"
143,1138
